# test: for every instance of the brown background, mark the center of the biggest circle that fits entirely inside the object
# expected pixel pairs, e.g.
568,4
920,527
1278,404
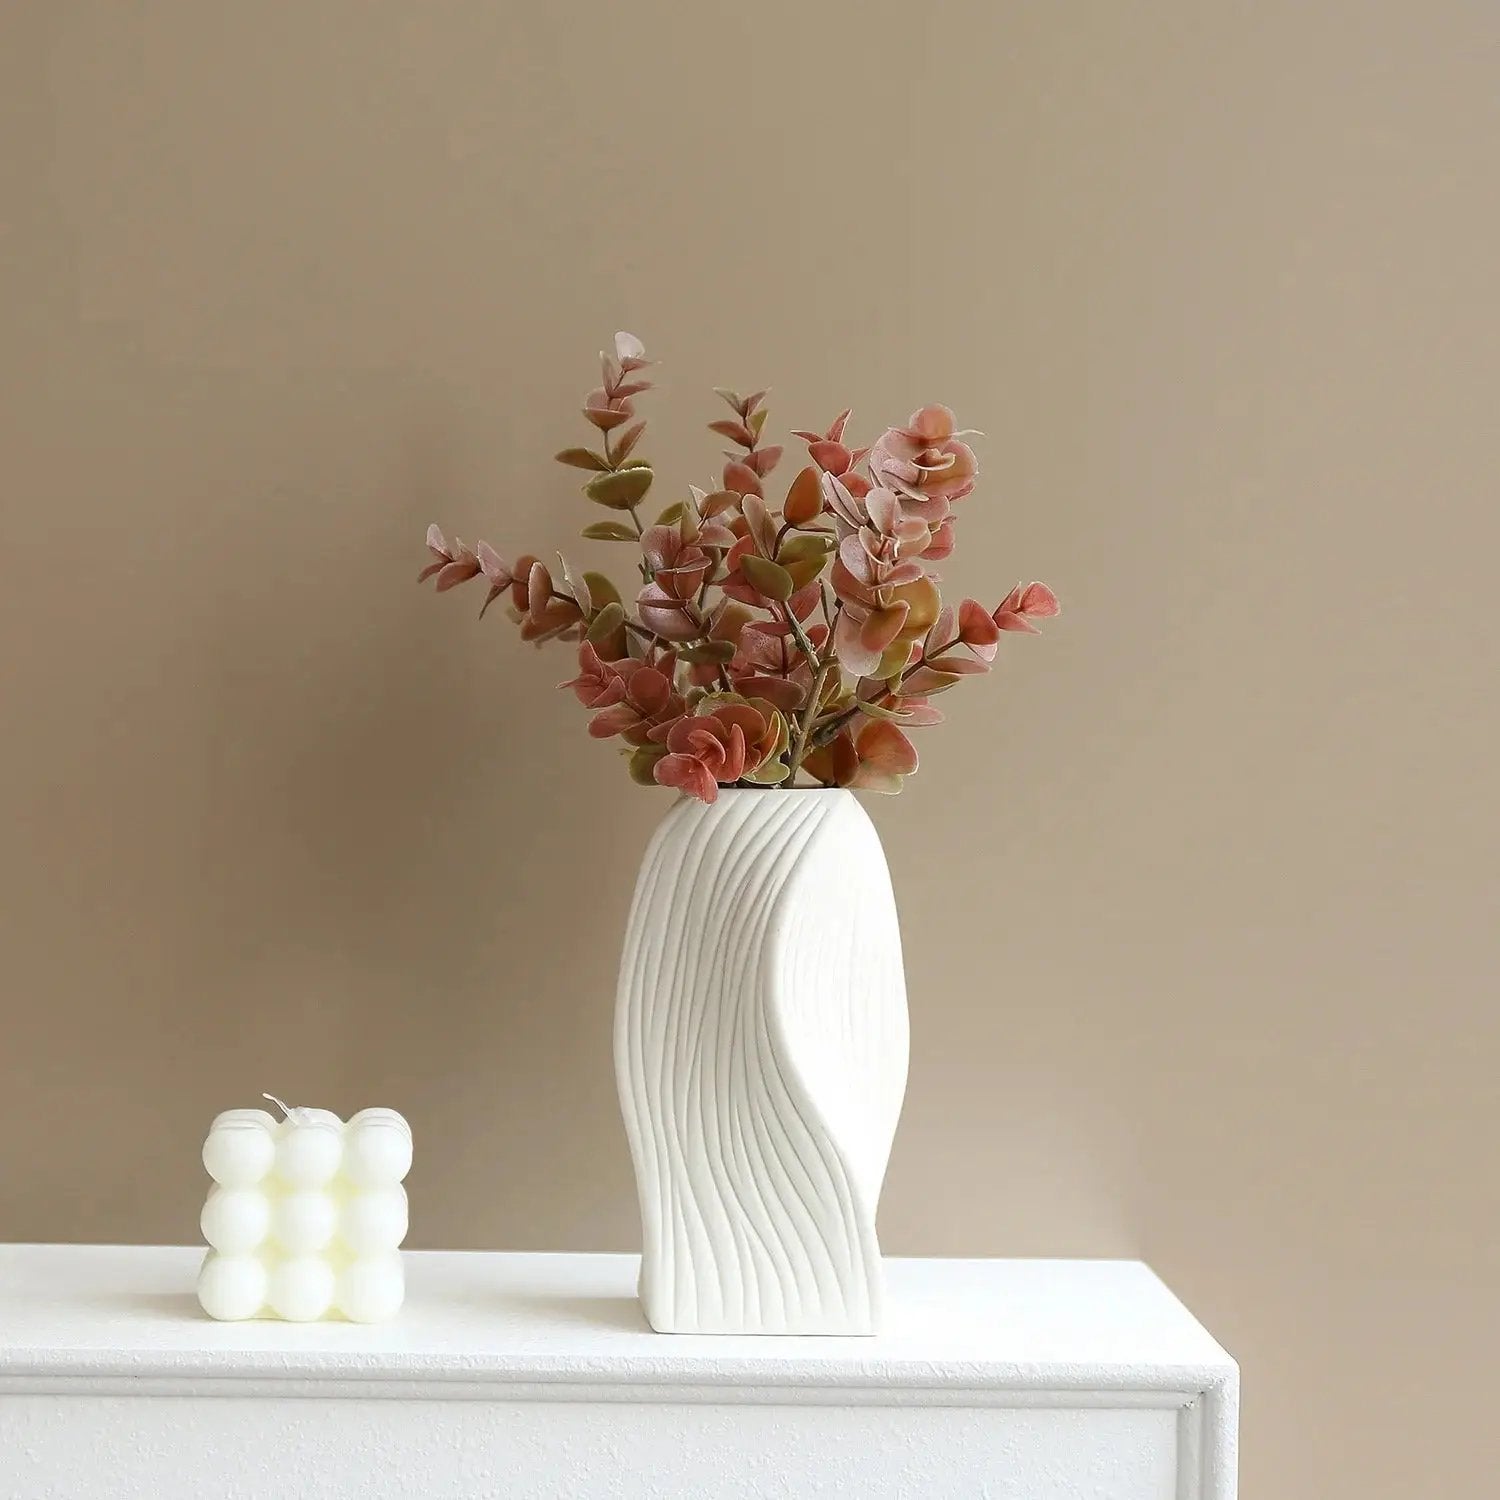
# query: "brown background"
1199,892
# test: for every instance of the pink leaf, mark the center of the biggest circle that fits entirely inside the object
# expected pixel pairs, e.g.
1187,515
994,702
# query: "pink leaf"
804,500
884,508
538,590
927,680
1016,622
687,774
762,527
492,565
667,616
941,545
736,432
460,570
805,600
779,692
934,424
831,457
882,627
944,630
614,720
853,654
920,713
1038,601
625,443
741,478
978,630
650,690
605,419
885,756
660,545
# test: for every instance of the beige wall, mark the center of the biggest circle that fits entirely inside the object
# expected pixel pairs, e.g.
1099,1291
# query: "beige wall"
1199,894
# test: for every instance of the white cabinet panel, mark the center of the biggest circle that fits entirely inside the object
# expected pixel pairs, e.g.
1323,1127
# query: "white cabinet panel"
127,1448
534,1378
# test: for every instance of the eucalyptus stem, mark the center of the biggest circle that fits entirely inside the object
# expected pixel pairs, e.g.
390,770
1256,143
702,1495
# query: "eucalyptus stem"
804,729
836,723
800,635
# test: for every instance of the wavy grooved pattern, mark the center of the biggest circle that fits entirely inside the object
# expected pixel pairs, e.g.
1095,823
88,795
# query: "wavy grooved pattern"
761,1048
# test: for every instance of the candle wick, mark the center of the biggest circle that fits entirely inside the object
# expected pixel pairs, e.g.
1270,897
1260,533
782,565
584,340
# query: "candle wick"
285,1109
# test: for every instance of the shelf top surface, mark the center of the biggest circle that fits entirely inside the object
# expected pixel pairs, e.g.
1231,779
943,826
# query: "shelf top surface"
111,1310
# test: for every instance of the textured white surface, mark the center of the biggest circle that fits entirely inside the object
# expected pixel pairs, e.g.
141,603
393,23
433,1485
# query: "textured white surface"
353,1450
761,1050
535,1376
306,1215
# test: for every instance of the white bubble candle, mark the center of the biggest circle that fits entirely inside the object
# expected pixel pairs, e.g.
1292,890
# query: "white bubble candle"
306,1215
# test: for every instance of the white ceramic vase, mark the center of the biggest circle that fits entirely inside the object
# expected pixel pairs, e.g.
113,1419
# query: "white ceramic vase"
761,1051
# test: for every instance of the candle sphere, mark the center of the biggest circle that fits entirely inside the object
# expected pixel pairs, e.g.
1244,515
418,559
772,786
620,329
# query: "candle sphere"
374,1219
231,1287
244,1117
235,1220
301,1288
371,1289
377,1151
303,1222
238,1153
307,1156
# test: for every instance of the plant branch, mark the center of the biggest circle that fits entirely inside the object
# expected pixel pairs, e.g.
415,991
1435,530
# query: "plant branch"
800,635
804,729
827,731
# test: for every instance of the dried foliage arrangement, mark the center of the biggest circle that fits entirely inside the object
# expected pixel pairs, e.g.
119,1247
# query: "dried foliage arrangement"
787,642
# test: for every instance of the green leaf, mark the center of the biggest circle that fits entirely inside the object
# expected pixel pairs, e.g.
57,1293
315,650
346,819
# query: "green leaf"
643,763
805,555
709,651
770,774
582,458
876,711
601,590
927,681
606,622
609,531
621,490
756,422
766,577
671,515
806,544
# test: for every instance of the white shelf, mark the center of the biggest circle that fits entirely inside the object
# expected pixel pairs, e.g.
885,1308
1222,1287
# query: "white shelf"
979,1338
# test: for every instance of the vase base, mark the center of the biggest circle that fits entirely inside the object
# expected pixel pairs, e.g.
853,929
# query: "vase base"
835,1322
741,1328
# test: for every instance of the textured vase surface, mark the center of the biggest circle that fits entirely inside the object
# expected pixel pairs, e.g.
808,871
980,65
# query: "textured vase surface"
761,1050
